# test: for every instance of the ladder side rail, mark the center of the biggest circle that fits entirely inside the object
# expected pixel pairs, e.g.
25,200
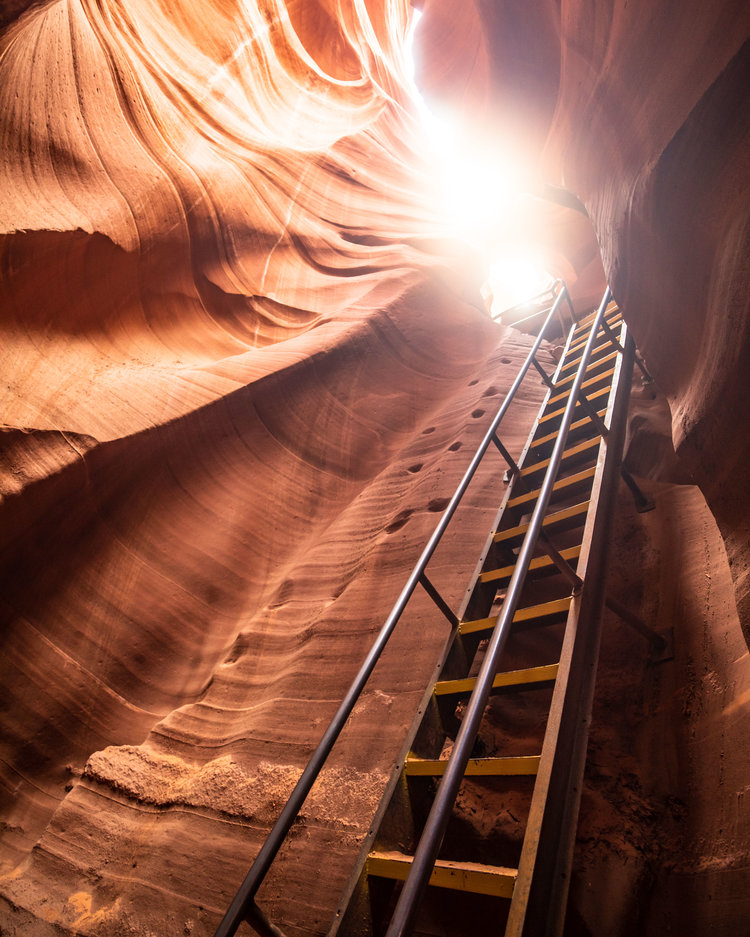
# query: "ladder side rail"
243,903
429,844
540,895
341,916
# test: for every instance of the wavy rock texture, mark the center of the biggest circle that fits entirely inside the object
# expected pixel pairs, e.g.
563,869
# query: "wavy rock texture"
241,382
243,371
657,146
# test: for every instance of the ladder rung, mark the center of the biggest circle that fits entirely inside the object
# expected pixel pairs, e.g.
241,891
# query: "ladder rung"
577,425
612,323
568,454
588,383
544,610
529,676
461,876
594,351
539,562
559,484
557,413
486,767
592,364
557,518
584,323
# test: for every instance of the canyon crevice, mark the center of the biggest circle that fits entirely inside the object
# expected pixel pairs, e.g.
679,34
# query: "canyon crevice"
245,364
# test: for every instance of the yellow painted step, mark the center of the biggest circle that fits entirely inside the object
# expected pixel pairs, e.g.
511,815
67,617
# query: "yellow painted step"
568,454
539,562
614,323
561,483
590,382
543,440
558,413
543,610
587,321
576,361
558,517
592,364
485,767
461,876
512,678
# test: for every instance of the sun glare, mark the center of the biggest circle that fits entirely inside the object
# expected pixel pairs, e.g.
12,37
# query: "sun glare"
515,278
478,200
477,193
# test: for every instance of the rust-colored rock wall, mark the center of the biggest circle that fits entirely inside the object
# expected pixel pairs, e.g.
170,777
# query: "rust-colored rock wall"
241,379
664,823
660,156
243,369
217,771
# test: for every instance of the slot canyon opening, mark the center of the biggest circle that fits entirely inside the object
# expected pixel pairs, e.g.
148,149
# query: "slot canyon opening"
483,193
246,361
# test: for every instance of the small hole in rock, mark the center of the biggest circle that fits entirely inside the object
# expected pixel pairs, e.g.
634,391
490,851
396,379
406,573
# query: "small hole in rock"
430,429
490,392
477,413
414,468
398,521
472,383
454,447
505,361
438,504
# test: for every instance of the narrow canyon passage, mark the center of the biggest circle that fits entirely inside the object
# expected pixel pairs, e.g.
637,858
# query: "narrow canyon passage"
246,359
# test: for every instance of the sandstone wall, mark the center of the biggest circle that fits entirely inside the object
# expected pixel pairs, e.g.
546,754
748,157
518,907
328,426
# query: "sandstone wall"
243,370
241,379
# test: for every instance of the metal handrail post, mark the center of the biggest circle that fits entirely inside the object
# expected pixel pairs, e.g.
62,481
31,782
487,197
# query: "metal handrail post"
437,821
244,898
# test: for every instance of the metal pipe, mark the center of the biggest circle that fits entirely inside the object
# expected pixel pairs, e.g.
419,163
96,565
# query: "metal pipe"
438,599
519,322
260,923
642,504
248,889
657,641
647,377
572,310
512,465
593,414
543,374
611,336
560,562
407,906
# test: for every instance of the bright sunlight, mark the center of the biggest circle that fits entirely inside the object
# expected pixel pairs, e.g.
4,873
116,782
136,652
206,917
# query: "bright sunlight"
515,278
479,198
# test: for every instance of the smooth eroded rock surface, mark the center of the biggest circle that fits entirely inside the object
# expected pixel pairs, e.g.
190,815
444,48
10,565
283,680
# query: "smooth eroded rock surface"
244,366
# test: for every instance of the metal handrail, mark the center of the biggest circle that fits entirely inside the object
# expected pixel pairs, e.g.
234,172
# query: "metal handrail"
437,821
243,904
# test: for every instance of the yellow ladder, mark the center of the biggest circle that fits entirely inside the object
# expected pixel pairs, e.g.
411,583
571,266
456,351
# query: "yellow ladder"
549,655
